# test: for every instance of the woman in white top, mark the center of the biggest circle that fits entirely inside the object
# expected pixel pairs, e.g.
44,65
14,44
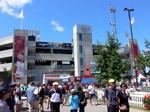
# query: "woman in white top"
19,73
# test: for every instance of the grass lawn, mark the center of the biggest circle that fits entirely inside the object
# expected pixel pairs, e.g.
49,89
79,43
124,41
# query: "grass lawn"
140,108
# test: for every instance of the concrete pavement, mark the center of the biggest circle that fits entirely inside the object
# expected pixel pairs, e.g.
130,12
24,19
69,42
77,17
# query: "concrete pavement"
88,108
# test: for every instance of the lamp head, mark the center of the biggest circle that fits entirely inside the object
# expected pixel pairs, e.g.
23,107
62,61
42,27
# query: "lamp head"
125,9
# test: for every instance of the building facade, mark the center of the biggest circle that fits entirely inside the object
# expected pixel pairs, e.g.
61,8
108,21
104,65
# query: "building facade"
51,60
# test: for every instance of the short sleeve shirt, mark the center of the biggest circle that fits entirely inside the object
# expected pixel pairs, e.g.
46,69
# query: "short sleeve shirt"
112,97
91,89
18,89
123,98
55,95
4,107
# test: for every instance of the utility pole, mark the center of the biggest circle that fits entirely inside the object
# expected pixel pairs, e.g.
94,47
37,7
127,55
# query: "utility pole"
132,42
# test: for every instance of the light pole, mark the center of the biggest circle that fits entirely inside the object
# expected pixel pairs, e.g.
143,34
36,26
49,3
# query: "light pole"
130,10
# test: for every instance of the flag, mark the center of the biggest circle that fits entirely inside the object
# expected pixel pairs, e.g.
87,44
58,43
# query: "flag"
132,20
21,15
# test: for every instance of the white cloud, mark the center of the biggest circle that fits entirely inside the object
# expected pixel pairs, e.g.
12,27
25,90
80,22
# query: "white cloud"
57,26
11,6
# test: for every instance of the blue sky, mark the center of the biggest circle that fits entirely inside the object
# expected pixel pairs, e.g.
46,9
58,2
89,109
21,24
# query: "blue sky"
55,18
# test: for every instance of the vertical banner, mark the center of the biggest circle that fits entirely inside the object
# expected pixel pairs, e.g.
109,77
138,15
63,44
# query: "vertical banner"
134,48
18,61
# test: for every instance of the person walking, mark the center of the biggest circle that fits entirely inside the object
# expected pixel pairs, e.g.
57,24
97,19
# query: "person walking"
32,97
11,100
24,89
112,101
41,96
83,100
4,95
107,87
55,98
18,94
123,98
65,94
92,96
74,101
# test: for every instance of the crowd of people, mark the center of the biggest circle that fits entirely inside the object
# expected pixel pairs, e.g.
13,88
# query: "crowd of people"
66,94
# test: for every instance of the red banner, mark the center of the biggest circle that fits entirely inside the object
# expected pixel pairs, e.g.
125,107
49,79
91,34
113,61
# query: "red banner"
18,62
134,48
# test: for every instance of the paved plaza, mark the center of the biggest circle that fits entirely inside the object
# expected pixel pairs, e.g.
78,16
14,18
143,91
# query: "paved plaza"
88,108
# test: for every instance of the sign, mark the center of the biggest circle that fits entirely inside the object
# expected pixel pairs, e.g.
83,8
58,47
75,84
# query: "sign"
93,68
66,62
53,45
33,32
18,59
65,80
64,75
51,75
84,29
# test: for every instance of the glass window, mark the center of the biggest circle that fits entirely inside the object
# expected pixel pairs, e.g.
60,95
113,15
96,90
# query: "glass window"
81,61
31,38
80,37
80,48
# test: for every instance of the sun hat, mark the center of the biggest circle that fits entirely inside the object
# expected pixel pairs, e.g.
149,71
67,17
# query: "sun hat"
111,80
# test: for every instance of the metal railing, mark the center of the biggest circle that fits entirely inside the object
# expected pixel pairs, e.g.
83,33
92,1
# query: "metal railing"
137,98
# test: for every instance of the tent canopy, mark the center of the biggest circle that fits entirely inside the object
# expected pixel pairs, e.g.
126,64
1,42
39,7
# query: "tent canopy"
88,80
141,77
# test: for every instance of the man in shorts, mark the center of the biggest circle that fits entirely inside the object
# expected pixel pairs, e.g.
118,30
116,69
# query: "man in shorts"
91,90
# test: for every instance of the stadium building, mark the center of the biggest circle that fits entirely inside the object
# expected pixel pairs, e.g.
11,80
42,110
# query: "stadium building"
49,61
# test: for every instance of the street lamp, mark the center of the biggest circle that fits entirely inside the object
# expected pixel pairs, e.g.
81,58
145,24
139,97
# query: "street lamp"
130,10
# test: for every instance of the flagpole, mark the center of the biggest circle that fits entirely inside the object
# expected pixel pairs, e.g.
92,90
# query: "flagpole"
21,23
21,16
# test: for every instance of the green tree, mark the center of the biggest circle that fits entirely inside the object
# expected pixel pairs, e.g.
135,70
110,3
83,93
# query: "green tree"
143,61
6,75
109,61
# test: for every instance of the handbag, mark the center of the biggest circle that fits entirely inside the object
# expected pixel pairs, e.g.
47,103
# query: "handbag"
36,91
123,108
84,103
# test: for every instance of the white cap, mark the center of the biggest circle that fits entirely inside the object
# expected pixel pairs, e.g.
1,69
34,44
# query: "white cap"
55,84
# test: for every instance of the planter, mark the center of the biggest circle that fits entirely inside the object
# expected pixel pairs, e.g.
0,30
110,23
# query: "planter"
147,106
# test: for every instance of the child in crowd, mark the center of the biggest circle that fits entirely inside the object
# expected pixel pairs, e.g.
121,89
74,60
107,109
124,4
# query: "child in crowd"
74,101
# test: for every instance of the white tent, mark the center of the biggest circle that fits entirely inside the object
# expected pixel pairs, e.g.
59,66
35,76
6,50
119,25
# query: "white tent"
140,77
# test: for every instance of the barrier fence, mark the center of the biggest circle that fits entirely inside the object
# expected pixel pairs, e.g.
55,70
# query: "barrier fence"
137,98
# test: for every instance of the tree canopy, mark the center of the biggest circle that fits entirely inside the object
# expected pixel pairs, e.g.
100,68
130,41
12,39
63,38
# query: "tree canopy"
109,61
143,61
